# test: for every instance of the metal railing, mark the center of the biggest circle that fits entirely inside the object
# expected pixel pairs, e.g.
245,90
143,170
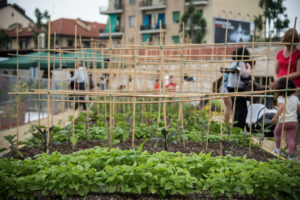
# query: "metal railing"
152,27
196,1
149,3
116,7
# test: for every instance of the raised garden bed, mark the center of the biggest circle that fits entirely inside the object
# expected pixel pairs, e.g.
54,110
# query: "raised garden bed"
152,147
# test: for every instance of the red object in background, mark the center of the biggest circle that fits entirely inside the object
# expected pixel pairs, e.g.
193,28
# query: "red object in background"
171,86
283,64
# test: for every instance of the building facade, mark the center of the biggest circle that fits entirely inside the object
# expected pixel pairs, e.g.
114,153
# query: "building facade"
63,28
141,19
11,15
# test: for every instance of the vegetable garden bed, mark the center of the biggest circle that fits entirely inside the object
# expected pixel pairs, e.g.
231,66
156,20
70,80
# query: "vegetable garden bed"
152,147
162,174
82,166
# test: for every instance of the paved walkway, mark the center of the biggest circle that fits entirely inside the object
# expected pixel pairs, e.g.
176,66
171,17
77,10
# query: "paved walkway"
62,118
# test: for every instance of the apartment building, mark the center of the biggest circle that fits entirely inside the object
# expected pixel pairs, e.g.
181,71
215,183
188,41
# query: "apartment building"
141,19
63,28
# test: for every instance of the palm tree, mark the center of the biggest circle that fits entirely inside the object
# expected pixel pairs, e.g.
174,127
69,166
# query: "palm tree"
194,22
40,24
4,39
274,12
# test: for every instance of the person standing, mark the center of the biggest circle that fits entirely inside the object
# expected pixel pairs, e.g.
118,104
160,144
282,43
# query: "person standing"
80,78
289,54
290,121
236,82
171,86
156,85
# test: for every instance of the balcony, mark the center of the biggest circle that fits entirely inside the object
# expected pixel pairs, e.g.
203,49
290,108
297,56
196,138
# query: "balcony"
152,5
152,28
117,34
196,2
117,8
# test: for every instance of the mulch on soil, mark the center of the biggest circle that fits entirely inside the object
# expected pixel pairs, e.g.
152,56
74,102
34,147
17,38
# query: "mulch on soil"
152,147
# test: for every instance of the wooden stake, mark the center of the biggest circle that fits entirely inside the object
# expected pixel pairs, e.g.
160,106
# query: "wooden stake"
48,95
17,87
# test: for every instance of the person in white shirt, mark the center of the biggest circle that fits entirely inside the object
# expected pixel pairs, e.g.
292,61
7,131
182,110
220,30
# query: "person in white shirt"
290,121
81,79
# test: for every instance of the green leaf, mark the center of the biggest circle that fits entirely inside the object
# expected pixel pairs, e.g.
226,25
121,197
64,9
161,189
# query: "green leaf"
20,154
74,140
3,149
249,190
152,189
112,188
140,149
162,181
168,186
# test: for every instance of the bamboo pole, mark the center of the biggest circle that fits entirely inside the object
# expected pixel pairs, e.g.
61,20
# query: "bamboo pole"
209,114
48,95
109,87
75,84
134,88
162,72
251,98
180,111
53,80
221,123
286,86
17,88
266,87
39,83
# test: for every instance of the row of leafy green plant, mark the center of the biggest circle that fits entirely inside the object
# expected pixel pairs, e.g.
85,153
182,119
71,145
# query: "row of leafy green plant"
195,124
195,130
113,170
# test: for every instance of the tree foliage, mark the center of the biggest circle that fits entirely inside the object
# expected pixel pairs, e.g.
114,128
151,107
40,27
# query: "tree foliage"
40,24
274,13
4,39
195,24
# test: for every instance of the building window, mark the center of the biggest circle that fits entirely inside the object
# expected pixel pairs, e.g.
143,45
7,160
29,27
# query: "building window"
86,44
131,21
175,39
132,1
176,17
9,45
70,43
146,37
23,44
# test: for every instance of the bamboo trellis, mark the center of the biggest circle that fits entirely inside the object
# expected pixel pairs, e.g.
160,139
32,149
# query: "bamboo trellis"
143,64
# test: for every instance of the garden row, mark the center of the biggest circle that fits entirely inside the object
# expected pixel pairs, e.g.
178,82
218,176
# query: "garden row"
113,170
195,129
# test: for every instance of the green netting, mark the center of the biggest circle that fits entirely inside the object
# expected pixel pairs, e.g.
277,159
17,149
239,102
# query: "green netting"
113,23
24,62
67,60
84,56
146,37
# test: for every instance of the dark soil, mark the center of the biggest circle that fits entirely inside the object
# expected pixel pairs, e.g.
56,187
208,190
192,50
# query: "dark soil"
119,196
152,147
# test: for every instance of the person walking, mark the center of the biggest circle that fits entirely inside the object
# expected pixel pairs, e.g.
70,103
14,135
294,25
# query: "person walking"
80,78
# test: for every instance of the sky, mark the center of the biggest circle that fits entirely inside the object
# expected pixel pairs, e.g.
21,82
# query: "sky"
89,9
84,9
